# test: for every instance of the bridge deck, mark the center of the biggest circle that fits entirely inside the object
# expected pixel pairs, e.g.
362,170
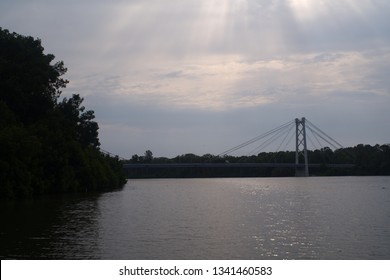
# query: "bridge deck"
228,165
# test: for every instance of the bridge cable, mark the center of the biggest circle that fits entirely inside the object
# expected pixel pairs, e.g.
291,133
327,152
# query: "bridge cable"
323,138
277,155
271,132
257,138
326,135
266,143
336,145
346,152
315,136
278,149
104,152
289,140
286,133
311,141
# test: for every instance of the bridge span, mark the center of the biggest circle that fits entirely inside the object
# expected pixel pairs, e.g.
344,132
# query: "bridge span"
229,165
301,163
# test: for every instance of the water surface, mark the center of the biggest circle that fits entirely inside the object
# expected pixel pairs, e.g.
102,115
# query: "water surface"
240,218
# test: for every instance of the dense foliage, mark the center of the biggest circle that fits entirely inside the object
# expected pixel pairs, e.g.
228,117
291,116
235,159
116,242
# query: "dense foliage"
46,145
366,160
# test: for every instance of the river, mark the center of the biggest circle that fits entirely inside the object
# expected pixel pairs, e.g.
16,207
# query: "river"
227,218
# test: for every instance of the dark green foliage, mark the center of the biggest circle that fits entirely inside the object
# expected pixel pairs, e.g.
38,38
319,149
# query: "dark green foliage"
80,123
29,84
148,157
46,146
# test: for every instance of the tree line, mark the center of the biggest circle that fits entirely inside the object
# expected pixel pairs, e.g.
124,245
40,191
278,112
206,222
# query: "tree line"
47,145
366,160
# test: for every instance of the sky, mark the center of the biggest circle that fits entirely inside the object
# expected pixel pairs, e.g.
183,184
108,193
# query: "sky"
202,76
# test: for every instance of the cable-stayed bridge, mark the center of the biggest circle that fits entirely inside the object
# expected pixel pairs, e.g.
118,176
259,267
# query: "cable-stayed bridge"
297,132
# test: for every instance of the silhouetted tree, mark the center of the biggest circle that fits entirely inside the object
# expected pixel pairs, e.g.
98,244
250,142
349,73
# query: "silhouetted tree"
29,83
148,157
86,130
134,158
46,146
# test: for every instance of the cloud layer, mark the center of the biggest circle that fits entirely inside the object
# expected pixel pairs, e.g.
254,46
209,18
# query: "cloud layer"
196,76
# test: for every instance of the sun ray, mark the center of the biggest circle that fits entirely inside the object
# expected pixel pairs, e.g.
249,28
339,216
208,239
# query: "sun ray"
307,10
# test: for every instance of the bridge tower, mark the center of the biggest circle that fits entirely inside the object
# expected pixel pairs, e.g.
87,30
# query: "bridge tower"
301,149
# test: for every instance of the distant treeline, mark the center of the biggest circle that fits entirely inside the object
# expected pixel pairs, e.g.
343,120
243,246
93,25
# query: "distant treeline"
367,160
47,145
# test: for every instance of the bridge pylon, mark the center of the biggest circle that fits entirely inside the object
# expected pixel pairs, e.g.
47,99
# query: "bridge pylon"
301,170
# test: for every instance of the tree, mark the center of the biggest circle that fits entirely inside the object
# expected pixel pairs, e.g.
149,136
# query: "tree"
134,158
46,146
85,129
148,157
30,84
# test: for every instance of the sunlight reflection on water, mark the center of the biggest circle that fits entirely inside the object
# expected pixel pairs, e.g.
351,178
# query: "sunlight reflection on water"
242,218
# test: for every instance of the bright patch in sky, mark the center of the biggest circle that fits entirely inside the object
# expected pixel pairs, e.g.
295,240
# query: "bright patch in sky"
307,10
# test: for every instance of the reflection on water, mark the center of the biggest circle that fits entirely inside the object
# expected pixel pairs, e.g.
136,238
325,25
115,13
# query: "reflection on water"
63,227
250,218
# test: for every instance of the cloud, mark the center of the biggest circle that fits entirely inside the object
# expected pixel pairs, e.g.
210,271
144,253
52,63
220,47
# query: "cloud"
228,82
158,71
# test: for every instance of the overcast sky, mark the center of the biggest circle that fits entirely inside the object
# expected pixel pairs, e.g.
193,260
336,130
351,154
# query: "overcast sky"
201,76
